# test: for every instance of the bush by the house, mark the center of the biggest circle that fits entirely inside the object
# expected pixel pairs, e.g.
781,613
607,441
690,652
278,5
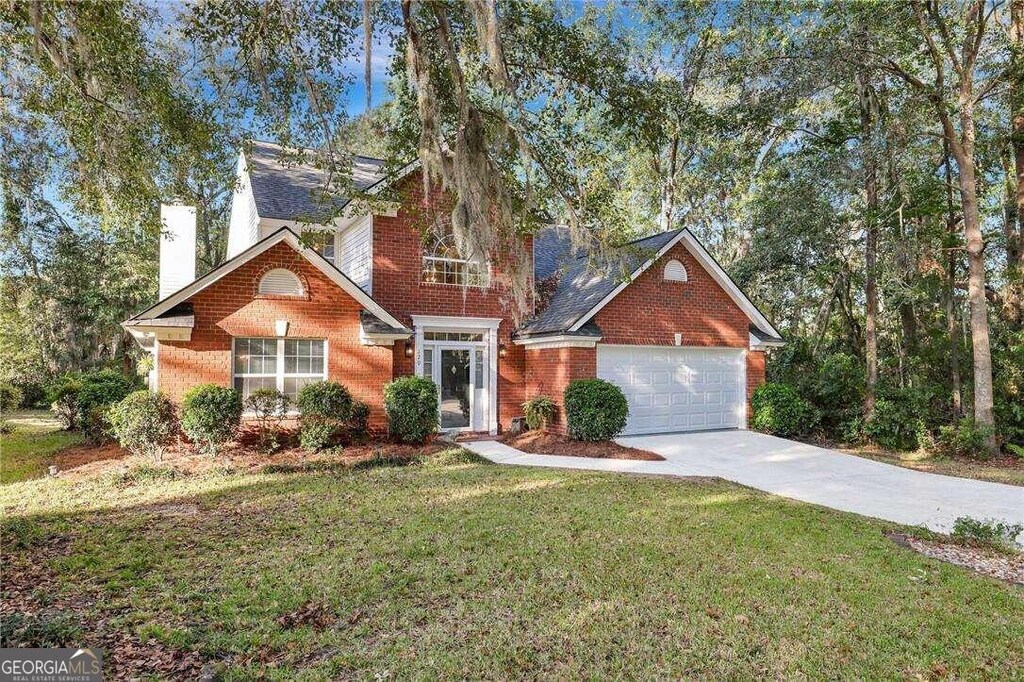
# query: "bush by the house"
986,532
539,411
324,410
99,390
325,399
10,397
963,439
144,423
779,410
210,416
411,406
359,419
594,409
268,407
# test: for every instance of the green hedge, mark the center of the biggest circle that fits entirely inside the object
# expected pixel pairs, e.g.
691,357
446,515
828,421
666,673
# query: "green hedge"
594,409
779,410
210,415
411,406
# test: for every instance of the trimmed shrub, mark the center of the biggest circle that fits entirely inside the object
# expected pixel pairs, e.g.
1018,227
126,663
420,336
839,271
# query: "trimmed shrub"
594,409
539,411
325,408
411,406
359,419
779,410
325,399
210,416
144,423
268,407
99,391
11,397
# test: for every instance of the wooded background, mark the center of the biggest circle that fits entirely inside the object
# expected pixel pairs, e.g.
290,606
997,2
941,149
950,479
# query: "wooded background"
857,167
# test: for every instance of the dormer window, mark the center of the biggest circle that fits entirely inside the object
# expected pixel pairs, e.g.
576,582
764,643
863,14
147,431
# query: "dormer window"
281,282
675,271
442,264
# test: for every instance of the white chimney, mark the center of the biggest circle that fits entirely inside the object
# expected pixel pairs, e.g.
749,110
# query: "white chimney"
177,248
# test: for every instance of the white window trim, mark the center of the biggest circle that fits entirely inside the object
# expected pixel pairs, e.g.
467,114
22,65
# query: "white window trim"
444,259
280,374
488,325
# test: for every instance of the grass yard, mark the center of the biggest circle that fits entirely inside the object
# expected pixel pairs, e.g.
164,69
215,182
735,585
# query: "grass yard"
458,568
29,450
1006,469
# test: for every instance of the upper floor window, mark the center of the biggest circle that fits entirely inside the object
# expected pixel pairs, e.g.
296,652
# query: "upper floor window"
675,271
442,264
281,282
322,243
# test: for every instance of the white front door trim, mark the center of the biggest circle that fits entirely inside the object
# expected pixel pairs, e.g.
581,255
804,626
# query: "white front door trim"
489,327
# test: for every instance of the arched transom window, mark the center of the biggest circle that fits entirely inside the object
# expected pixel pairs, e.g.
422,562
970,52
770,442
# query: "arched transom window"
442,264
675,271
281,282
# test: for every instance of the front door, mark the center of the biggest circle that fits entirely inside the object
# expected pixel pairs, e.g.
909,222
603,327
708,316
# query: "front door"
456,386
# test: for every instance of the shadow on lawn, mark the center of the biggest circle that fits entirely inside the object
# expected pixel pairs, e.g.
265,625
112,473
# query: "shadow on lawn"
495,571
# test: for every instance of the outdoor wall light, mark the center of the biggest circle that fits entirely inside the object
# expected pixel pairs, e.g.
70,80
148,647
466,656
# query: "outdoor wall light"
502,350
408,349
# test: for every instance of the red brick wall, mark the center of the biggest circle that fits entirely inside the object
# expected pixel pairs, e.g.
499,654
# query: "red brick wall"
397,285
650,311
549,371
229,309
755,377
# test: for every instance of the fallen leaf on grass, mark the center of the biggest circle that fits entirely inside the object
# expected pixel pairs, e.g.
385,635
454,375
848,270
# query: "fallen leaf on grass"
314,614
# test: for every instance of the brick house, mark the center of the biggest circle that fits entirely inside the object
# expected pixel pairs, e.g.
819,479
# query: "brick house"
364,298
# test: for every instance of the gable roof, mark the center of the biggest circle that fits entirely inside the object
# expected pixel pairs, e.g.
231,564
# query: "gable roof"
286,190
583,289
288,237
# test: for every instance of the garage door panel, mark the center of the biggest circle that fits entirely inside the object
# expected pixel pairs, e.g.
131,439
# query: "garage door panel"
670,388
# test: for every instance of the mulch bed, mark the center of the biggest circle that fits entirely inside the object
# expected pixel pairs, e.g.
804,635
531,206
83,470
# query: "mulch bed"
1004,566
545,443
88,461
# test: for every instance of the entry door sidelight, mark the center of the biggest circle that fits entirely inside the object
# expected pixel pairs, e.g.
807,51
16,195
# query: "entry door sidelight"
456,388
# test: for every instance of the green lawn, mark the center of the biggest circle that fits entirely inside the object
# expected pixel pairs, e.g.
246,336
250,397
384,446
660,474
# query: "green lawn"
28,451
474,570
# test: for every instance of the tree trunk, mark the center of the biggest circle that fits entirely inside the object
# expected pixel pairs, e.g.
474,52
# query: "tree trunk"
950,290
368,52
868,110
1015,242
963,152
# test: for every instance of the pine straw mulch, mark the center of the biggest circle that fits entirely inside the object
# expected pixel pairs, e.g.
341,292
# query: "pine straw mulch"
246,455
546,443
1008,565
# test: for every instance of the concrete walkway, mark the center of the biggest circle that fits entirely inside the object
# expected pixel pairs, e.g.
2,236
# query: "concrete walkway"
800,472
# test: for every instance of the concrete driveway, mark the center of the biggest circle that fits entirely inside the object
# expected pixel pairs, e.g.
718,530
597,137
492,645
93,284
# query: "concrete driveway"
800,472
834,479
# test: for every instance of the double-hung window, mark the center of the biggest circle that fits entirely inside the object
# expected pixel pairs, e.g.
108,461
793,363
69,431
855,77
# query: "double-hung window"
284,364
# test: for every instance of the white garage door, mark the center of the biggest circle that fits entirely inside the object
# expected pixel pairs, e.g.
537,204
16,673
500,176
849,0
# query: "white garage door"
677,389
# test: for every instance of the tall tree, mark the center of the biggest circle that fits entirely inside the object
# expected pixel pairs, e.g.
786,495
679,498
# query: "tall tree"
954,45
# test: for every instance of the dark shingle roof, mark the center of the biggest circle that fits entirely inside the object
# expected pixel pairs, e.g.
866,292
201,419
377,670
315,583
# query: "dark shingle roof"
287,190
180,315
763,336
374,325
584,284
551,248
